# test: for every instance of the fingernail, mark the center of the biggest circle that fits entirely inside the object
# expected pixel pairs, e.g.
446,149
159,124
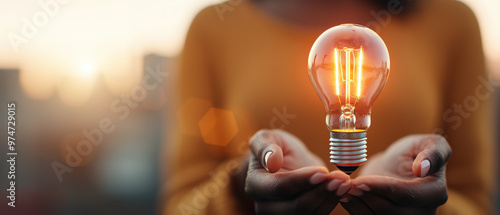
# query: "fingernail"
363,187
317,178
344,200
333,185
424,168
266,157
343,188
355,191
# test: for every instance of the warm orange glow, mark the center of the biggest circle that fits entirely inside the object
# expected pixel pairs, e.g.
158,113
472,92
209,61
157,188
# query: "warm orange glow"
360,64
348,60
348,75
347,72
337,71
218,127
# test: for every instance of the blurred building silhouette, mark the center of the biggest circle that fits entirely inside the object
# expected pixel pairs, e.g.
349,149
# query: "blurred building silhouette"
120,176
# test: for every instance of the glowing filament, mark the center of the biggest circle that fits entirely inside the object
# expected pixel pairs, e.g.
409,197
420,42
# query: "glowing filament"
337,72
348,79
360,64
347,74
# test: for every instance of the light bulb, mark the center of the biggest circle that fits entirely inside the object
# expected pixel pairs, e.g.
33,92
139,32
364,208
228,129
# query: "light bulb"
348,67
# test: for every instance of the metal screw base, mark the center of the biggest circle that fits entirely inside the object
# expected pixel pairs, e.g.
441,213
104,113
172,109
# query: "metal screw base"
348,150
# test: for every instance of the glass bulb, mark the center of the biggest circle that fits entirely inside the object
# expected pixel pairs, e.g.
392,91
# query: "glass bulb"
348,67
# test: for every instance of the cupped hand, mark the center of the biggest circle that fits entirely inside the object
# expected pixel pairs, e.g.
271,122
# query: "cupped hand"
408,178
284,177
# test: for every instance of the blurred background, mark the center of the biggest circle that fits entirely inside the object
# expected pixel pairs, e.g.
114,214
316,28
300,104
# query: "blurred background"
69,65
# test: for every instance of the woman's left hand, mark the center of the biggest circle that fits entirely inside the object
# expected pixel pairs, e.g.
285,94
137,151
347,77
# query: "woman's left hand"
408,178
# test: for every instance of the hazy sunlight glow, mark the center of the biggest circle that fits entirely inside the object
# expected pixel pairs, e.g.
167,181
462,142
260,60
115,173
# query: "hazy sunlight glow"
87,70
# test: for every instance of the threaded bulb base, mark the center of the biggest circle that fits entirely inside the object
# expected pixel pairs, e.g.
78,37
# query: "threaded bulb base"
348,150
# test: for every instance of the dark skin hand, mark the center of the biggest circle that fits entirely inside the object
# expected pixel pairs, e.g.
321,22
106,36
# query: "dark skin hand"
408,178
284,177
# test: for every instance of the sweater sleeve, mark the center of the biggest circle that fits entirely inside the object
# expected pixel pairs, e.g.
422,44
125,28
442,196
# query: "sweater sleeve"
468,123
199,178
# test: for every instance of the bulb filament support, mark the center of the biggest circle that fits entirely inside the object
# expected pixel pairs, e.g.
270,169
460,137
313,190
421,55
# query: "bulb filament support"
348,149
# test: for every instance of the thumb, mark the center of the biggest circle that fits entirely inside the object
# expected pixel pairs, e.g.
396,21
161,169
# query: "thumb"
264,146
434,153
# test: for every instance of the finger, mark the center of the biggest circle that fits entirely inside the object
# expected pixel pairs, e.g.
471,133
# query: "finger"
381,205
307,202
318,201
262,185
428,191
265,148
336,182
369,203
355,206
327,205
337,174
288,207
303,204
434,152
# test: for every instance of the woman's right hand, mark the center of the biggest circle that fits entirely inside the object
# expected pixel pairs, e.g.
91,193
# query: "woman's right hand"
284,177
